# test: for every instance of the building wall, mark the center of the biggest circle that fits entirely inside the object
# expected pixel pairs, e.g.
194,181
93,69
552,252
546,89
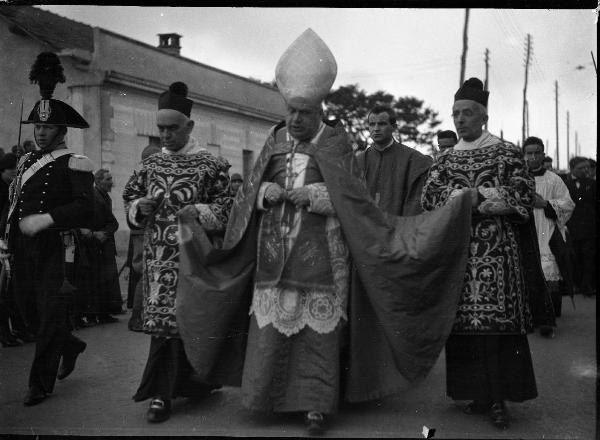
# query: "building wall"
113,52
18,55
232,115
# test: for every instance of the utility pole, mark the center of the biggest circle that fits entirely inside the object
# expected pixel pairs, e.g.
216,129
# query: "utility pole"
568,154
527,118
487,65
576,145
463,59
528,49
556,104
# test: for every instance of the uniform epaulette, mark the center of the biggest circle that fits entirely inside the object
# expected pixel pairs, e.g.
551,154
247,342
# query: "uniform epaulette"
78,162
23,159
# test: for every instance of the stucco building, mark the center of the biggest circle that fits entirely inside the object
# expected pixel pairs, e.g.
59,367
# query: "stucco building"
114,82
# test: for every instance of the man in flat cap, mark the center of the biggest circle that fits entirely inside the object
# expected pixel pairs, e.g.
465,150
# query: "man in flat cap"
299,218
183,175
51,195
487,355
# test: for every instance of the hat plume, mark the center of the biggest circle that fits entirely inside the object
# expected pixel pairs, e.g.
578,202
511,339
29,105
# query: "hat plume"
47,72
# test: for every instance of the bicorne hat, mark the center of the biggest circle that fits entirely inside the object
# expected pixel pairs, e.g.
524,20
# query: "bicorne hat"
47,72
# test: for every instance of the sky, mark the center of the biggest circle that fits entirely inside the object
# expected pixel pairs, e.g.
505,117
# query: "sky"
405,52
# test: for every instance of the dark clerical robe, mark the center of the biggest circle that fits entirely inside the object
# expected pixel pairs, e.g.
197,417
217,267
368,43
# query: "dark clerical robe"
395,176
102,277
411,268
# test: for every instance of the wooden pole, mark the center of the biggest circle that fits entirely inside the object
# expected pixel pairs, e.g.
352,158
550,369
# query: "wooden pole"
523,131
568,153
556,105
487,65
463,59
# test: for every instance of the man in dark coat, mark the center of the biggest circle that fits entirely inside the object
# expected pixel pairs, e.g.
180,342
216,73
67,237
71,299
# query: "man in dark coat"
582,225
52,194
394,173
99,241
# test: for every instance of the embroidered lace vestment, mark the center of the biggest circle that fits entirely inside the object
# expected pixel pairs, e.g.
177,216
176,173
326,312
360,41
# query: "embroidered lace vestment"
492,300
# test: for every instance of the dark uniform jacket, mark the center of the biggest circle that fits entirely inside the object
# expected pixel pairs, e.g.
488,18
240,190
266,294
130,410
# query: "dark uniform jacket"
63,188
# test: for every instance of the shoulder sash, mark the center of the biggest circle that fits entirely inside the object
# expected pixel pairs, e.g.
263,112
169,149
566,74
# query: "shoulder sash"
31,171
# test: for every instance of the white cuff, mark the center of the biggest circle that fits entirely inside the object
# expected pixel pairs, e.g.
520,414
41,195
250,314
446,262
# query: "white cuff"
207,218
132,213
320,203
261,196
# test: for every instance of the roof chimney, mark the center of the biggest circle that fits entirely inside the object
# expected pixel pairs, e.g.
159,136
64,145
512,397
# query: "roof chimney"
169,43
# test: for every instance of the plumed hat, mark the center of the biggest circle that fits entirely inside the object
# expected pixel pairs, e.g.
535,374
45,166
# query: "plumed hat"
176,99
306,70
47,72
472,89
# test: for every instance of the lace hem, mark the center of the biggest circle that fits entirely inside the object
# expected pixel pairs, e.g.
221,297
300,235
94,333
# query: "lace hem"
290,310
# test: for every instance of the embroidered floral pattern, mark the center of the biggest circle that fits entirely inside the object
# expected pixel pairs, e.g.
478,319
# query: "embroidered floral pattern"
175,181
492,298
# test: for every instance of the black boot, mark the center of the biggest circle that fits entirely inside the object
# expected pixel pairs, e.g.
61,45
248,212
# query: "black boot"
499,415
9,340
68,359
34,396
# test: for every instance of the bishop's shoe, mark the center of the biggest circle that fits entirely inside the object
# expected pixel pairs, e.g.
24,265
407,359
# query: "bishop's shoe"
315,423
69,358
159,411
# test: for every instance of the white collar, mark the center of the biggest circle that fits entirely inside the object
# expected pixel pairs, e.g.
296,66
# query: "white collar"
192,147
378,148
485,140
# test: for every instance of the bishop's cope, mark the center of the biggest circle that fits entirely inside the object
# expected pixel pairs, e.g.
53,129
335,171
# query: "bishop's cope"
51,195
271,308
